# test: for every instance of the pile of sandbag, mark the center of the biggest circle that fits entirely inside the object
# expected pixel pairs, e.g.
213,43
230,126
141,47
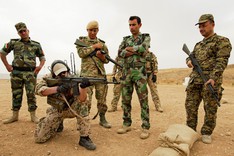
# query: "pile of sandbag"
176,141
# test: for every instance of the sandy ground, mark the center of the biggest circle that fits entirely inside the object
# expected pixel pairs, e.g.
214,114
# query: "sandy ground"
17,138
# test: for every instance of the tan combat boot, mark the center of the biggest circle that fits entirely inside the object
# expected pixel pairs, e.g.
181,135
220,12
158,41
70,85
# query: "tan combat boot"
206,139
33,117
144,134
14,118
159,108
124,129
112,109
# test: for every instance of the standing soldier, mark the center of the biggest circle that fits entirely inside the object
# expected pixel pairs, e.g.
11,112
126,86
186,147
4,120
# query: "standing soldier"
152,70
56,97
133,49
212,54
23,70
117,74
93,66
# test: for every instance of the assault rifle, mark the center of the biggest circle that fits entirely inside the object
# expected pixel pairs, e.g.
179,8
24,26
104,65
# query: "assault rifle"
199,70
74,82
82,44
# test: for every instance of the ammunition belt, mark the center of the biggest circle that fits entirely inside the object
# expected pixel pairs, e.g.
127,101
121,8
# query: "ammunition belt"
24,68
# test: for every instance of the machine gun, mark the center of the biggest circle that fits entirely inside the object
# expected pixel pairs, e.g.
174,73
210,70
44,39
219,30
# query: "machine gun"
82,44
74,82
199,70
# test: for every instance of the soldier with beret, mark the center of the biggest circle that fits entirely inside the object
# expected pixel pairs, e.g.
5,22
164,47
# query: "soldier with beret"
23,70
212,54
93,66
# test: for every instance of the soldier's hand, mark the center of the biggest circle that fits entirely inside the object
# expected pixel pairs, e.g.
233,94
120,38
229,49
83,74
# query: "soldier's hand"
85,83
100,55
130,49
189,64
154,78
129,54
37,69
64,88
211,81
97,46
9,68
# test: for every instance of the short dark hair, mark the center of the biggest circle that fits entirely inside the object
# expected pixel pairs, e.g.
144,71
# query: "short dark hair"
135,17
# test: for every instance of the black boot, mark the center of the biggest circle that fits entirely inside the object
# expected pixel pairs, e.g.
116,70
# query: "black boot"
103,121
60,128
87,143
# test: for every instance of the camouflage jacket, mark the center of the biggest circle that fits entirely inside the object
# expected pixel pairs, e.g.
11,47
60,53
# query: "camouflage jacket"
212,55
91,67
151,63
140,45
25,53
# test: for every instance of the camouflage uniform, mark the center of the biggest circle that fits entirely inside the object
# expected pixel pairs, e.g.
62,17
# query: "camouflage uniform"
117,73
212,55
48,126
151,68
94,67
23,64
134,74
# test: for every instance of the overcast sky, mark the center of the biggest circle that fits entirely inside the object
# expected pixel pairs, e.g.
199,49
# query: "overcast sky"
57,23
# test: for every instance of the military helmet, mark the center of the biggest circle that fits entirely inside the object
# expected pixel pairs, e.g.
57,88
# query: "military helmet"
58,66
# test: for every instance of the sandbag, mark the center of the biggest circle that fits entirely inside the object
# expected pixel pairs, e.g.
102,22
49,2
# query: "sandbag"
176,141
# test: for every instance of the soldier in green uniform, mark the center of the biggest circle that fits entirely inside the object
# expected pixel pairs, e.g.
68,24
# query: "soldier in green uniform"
117,75
23,70
133,49
57,95
152,71
93,66
212,54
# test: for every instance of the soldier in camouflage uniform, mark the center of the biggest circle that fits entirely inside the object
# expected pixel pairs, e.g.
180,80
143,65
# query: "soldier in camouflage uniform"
23,70
133,49
53,122
117,74
152,70
93,66
212,54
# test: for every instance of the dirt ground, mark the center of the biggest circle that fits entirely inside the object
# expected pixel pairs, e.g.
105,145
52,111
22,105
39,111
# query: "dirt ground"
16,139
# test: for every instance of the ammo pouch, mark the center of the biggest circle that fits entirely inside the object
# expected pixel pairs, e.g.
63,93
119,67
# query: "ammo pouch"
135,65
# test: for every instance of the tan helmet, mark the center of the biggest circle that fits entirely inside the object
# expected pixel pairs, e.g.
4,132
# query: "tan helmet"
58,66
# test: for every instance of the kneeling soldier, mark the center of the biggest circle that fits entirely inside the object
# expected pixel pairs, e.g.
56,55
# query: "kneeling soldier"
57,97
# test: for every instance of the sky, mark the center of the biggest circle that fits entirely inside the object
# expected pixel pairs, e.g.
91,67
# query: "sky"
57,23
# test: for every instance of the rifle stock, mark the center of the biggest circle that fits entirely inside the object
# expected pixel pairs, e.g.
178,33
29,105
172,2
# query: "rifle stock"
199,70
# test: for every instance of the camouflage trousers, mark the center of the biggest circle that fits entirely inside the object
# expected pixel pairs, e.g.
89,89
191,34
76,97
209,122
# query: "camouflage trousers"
100,94
47,126
195,94
135,77
117,92
19,79
153,91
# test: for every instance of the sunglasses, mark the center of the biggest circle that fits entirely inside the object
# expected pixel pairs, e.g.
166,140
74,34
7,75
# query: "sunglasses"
62,73
22,31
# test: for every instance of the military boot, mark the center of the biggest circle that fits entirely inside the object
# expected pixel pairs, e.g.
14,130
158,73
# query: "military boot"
87,143
14,118
33,117
60,128
112,109
158,107
103,121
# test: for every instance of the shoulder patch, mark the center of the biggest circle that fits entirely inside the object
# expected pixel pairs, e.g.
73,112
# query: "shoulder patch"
101,40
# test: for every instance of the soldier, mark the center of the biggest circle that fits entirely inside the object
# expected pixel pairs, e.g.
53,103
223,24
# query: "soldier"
152,71
53,122
133,49
212,54
117,74
23,70
93,66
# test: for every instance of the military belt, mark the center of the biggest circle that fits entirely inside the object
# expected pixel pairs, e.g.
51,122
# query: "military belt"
24,68
135,65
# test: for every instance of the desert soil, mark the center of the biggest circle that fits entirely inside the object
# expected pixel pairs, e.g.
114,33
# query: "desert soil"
16,139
